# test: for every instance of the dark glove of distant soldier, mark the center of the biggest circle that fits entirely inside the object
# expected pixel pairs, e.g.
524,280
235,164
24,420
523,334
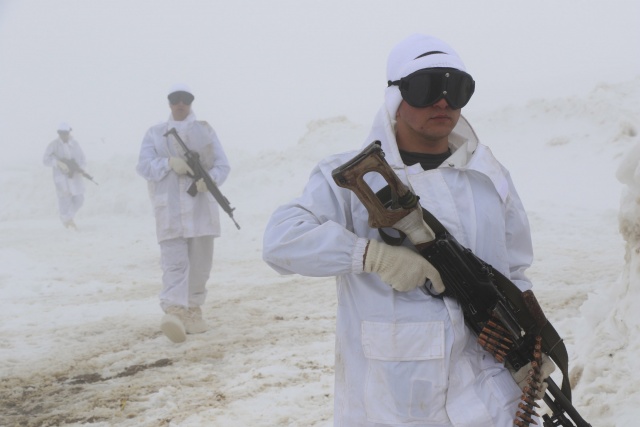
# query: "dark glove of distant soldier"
400,267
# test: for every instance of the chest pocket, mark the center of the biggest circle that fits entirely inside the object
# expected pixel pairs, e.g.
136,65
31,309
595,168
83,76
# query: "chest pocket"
406,378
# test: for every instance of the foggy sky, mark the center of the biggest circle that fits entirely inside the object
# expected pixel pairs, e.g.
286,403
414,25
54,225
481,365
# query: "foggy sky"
261,70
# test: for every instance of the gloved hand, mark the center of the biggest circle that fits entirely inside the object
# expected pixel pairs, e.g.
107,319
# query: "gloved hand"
201,186
400,267
523,375
415,228
180,166
62,166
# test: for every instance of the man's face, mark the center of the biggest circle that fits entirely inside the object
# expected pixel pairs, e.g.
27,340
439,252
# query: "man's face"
179,111
180,104
64,135
427,129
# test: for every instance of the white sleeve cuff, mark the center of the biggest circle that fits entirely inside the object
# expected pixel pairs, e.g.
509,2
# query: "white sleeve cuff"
357,256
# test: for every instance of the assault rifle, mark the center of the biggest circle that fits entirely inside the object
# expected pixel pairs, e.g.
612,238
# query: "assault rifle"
193,160
74,167
509,323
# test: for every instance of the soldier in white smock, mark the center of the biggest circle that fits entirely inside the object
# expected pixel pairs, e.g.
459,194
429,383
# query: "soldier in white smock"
69,185
404,357
185,226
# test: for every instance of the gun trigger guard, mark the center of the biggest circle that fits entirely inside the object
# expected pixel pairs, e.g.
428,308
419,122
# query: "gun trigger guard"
427,291
390,240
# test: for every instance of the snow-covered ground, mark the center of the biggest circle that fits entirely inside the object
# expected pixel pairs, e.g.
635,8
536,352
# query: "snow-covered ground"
79,336
558,101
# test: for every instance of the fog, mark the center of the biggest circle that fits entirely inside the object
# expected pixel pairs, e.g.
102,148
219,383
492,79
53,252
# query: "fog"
262,70
285,83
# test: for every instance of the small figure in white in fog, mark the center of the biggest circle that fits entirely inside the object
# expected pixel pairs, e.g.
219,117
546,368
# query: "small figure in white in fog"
69,185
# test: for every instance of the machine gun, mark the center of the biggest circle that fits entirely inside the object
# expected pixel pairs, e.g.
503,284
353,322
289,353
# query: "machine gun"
509,323
193,160
73,167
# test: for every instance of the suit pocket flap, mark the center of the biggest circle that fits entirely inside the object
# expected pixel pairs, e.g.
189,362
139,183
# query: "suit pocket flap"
403,341
160,200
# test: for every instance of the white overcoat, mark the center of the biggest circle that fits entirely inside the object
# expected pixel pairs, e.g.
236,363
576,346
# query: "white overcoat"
58,149
408,358
177,213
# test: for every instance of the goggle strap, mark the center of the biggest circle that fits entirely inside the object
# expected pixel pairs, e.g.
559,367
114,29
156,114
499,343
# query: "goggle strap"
433,52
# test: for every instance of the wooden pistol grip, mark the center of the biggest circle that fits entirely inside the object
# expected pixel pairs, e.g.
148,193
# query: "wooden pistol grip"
351,176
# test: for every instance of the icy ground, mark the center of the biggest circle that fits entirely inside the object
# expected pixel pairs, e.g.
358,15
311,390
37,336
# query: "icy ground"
79,317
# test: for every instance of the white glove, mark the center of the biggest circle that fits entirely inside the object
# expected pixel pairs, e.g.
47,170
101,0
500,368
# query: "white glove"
201,186
180,166
62,166
523,374
415,228
400,267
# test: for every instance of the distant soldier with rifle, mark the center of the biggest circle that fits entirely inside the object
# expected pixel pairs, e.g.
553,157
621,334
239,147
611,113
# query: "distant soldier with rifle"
425,337
66,158
184,163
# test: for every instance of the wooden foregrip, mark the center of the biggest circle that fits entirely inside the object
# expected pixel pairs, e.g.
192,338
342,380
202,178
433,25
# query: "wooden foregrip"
351,176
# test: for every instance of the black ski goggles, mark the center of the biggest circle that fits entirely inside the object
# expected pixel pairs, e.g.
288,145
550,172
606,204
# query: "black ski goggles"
185,97
428,86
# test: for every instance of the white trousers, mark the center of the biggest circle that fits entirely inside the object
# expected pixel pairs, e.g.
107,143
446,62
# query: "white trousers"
69,205
186,267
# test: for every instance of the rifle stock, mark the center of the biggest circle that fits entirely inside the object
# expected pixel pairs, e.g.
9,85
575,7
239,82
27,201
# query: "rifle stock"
485,295
193,160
